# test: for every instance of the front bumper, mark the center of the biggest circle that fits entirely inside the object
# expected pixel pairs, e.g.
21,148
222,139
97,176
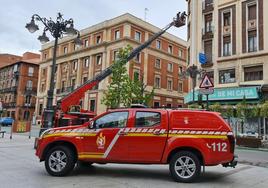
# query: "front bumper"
232,163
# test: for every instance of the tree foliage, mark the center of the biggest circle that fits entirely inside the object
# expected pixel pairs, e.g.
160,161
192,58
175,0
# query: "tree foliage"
264,110
122,91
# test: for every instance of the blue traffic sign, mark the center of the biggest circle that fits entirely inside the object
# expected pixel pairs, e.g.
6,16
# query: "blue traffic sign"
202,58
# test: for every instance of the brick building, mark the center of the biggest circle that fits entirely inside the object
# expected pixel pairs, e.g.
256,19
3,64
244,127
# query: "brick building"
231,34
18,84
159,64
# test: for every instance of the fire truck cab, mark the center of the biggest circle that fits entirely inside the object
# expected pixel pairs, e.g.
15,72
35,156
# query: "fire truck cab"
184,139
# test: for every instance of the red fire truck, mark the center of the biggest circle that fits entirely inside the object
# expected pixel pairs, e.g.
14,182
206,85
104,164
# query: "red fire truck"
184,139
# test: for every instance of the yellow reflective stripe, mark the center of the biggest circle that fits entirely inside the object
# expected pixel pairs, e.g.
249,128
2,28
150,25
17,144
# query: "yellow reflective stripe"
84,155
70,134
198,136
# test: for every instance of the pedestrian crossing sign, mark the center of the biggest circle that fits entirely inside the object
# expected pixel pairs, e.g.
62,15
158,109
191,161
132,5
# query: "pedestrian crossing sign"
206,82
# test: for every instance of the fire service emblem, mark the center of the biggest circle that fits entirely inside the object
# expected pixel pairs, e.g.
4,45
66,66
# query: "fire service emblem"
100,141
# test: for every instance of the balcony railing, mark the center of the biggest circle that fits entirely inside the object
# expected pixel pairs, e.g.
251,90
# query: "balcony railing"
208,33
30,90
9,105
65,90
9,90
207,6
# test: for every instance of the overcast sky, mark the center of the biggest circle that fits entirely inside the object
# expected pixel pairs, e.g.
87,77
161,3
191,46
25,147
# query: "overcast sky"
14,14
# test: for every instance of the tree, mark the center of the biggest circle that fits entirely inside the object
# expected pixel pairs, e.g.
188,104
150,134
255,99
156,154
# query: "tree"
122,90
264,110
119,90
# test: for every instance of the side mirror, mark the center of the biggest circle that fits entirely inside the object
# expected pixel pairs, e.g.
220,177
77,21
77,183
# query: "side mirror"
91,125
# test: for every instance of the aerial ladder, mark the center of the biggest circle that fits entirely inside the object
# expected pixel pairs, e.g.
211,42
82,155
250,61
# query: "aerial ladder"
69,112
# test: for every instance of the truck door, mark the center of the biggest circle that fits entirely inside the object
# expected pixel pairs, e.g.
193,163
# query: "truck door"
147,138
106,144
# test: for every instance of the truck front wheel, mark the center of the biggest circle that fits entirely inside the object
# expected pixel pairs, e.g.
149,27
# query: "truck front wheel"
59,161
184,167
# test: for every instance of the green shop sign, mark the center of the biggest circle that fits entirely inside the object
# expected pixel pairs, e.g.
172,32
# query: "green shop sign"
226,94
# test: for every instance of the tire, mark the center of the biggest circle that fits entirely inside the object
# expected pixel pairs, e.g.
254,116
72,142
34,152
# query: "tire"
59,161
184,167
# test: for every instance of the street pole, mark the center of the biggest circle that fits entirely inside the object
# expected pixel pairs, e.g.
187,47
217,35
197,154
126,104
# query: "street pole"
57,29
207,100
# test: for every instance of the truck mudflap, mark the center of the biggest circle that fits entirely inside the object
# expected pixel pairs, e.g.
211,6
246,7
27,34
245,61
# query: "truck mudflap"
232,163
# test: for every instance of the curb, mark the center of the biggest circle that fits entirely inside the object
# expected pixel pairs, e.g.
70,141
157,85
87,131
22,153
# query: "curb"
253,149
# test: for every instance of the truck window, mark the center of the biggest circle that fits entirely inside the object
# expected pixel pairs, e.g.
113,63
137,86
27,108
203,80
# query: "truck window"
112,120
147,119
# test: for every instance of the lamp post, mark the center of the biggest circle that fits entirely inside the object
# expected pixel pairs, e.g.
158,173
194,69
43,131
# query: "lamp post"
57,29
192,72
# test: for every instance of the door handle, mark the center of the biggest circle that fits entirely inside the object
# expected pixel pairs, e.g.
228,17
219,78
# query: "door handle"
122,133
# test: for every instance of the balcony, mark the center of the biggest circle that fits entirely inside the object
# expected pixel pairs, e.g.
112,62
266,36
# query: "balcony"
207,33
226,30
30,90
29,105
10,105
207,64
65,90
252,24
9,90
207,6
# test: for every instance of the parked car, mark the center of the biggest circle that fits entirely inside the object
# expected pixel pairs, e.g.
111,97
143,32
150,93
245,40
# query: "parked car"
6,121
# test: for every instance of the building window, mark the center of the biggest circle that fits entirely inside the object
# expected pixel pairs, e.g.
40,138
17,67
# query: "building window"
253,73
116,53
63,86
157,82
98,60
252,41
30,71
40,109
226,46
92,105
26,115
86,44
29,85
180,53
156,104
227,76
157,63
208,23
170,49
169,105
180,87
227,19
65,50
180,69
75,65
136,75
211,75
137,36
45,56
42,89
86,62
158,44
169,85
117,35
15,68
98,39
84,79
252,11
73,83
28,99
170,67
208,50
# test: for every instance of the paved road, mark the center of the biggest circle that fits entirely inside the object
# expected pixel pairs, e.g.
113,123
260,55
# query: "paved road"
19,168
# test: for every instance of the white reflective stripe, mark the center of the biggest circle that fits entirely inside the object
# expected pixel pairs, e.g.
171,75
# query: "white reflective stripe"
180,132
224,133
138,130
217,132
112,144
198,132
211,132
144,130
162,131
229,133
132,130
126,130
192,132
174,132
150,130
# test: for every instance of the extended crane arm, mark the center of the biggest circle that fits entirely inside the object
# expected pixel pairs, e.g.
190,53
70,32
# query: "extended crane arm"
74,97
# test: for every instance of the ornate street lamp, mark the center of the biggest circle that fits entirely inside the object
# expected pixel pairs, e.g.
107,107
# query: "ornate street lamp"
57,29
192,72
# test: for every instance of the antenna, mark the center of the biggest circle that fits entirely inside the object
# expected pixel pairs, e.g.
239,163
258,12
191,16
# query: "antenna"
145,13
